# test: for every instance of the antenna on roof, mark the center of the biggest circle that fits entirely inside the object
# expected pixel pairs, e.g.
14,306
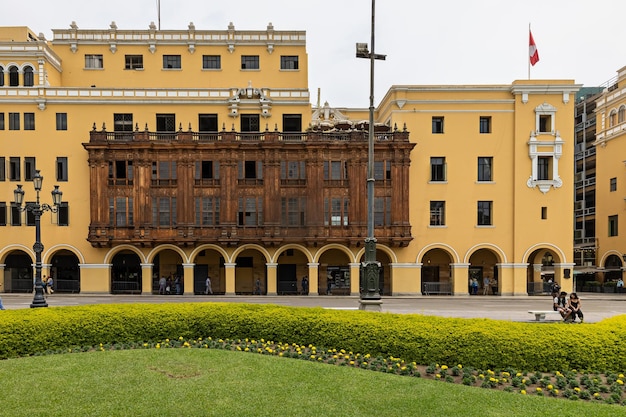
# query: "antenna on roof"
159,13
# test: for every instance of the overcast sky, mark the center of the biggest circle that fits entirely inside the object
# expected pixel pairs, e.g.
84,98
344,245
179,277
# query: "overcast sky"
434,42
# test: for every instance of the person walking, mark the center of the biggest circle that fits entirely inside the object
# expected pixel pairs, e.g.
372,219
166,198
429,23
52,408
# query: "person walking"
207,284
305,285
162,285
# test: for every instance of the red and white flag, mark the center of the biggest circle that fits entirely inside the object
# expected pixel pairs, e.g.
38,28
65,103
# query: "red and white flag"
532,50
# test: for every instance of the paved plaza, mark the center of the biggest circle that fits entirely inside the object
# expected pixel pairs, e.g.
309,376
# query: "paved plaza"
595,306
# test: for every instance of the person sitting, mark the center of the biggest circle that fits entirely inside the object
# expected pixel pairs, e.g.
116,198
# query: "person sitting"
559,303
574,307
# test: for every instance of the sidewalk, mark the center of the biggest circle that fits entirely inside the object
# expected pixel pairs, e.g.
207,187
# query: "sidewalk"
595,306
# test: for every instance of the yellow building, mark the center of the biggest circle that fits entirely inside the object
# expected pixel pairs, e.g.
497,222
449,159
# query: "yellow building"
190,153
610,190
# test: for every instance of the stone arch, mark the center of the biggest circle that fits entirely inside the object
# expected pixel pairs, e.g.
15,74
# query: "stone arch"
50,252
208,261
64,269
18,273
447,248
292,266
6,251
115,250
436,272
483,260
296,246
546,246
251,269
250,246
334,272
160,248
331,246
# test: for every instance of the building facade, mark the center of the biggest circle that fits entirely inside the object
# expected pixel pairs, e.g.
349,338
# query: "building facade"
195,153
610,147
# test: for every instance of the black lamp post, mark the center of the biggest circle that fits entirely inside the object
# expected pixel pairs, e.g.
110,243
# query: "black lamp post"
37,209
370,267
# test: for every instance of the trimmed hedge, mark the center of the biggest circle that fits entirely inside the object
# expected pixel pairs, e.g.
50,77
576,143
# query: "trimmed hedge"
481,343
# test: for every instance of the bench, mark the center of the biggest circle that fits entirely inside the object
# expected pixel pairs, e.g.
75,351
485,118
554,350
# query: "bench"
541,315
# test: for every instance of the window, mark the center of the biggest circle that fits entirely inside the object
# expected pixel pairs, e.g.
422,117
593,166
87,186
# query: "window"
293,211
3,169
14,121
121,211
249,122
621,114
335,170
166,122
61,121
133,61
207,170
485,164
29,168
29,121
437,213
382,170
63,215
544,168
250,211
14,168
612,226
336,211
3,213
437,169
171,62
122,122
61,168
382,211
164,211
1,121
485,124
207,211
207,123
163,173
1,76
437,124
613,184
292,123
211,62
94,61
30,216
120,172
293,172
29,79
249,62
612,118
545,123
250,172
485,213
544,213
14,77
289,62
16,215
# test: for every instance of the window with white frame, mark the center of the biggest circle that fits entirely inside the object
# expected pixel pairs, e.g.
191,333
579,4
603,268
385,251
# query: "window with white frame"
94,61
545,147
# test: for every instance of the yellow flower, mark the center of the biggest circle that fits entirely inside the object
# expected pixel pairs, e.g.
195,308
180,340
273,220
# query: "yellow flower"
460,366
518,374
437,376
549,386
596,394
577,389
444,367
523,392
556,391
539,389
620,382
158,346
621,376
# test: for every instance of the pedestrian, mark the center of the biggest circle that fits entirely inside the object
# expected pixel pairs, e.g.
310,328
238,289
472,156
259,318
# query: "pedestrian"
620,285
177,284
1,305
257,287
44,284
163,285
574,306
168,285
494,286
305,285
485,285
50,285
329,284
208,289
474,286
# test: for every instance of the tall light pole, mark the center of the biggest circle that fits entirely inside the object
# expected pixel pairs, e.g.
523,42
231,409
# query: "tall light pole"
370,267
38,209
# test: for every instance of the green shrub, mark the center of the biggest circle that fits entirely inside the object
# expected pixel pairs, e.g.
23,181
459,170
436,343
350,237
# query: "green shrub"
481,343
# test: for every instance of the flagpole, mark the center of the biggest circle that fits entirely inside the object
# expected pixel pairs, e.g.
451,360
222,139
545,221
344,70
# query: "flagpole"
528,58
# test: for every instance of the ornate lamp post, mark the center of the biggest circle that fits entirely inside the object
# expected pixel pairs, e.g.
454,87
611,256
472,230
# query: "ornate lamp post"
370,267
37,210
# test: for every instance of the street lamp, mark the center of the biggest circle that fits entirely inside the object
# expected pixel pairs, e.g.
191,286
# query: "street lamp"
37,210
370,267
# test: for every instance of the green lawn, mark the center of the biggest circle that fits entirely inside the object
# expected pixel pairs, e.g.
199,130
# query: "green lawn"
199,382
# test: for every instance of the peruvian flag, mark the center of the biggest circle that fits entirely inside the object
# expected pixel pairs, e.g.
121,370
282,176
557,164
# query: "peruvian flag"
532,50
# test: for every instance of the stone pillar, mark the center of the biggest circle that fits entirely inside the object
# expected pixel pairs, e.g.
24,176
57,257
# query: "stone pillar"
314,278
146,279
272,278
188,283
564,276
460,278
2,283
513,278
230,278
406,278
